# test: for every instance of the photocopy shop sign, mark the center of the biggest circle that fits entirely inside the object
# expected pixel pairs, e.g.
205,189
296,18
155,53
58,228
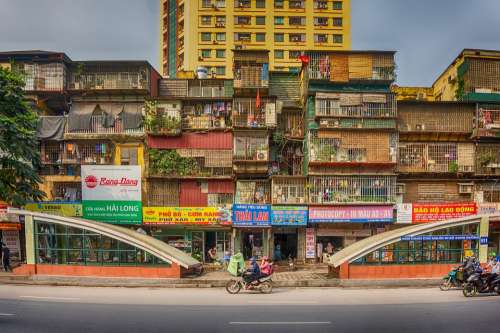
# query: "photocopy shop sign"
112,193
355,214
251,215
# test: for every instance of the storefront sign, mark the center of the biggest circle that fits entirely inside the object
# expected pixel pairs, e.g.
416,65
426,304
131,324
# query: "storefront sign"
11,239
112,193
440,238
186,215
351,214
438,212
10,226
483,241
56,208
251,215
288,216
488,208
404,213
310,244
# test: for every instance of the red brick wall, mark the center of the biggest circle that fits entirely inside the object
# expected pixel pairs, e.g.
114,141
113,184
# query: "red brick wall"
380,272
174,271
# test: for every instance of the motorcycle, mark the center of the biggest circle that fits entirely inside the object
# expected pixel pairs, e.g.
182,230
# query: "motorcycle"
482,283
264,284
455,278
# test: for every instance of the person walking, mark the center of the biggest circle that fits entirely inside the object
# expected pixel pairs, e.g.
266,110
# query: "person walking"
6,259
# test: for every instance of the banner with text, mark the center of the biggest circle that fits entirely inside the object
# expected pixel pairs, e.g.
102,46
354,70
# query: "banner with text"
186,215
251,215
351,214
288,216
70,209
422,213
112,193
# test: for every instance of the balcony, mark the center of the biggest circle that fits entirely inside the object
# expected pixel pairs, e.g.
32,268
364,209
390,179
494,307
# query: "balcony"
66,192
98,127
162,193
190,163
356,105
60,154
251,77
436,158
206,115
42,77
352,190
288,190
253,192
251,152
488,159
210,89
488,121
343,148
291,124
254,112
109,76
163,118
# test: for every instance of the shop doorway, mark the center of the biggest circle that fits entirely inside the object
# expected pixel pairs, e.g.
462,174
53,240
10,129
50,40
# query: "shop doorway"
285,246
252,244
323,244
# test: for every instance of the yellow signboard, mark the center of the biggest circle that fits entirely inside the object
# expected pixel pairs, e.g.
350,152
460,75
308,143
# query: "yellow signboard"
56,208
186,215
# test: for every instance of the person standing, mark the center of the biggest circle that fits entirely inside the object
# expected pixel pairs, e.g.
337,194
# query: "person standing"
6,259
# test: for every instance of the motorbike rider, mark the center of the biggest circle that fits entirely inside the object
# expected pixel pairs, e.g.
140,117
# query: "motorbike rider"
265,266
253,273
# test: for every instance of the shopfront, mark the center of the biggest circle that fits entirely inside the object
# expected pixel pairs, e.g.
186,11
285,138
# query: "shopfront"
337,227
11,233
288,232
252,230
194,230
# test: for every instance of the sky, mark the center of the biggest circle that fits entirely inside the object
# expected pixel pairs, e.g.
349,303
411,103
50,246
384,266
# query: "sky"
428,34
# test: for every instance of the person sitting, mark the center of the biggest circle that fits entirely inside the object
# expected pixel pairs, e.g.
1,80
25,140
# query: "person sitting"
253,273
265,267
212,254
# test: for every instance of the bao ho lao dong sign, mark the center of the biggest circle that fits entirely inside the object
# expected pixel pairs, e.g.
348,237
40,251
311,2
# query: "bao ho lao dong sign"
251,215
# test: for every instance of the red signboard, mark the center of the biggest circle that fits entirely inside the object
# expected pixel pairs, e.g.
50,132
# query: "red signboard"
422,213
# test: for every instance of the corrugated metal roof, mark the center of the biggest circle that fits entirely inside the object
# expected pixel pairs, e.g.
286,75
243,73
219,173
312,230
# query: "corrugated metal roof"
211,140
286,87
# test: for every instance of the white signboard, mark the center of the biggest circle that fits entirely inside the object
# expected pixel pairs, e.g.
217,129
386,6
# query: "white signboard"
310,244
404,211
11,239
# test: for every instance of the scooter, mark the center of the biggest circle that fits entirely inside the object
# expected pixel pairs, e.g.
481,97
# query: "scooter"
455,278
264,284
482,283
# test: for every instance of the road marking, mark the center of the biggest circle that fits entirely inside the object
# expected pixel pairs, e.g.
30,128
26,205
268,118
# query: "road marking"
282,302
7,314
280,323
49,297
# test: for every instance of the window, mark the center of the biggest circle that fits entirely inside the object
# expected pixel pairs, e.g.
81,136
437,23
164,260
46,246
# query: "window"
337,21
279,20
296,4
220,53
206,53
320,38
206,36
338,39
220,70
128,156
242,36
206,3
321,21
320,4
260,20
220,3
220,21
337,5
242,3
297,38
297,20
206,20
278,4
260,3
220,37
279,38
242,19
260,37
279,54
293,54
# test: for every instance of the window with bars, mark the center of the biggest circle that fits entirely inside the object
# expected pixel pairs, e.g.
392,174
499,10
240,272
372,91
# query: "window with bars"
253,113
242,20
296,20
129,155
206,115
251,147
436,157
320,38
296,4
67,191
321,21
288,190
242,36
297,38
320,4
253,192
42,76
163,193
356,105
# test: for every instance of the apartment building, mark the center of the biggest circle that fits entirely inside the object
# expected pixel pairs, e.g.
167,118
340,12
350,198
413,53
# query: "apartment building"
203,33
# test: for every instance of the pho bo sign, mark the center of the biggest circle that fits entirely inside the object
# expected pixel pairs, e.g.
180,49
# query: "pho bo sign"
112,193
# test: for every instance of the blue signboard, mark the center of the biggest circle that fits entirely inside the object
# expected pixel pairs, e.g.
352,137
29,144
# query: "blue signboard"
440,238
289,216
251,215
483,241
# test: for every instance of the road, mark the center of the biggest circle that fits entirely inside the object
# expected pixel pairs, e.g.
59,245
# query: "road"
73,309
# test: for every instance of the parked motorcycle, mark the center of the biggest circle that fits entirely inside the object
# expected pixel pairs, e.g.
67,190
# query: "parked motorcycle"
482,283
264,284
455,278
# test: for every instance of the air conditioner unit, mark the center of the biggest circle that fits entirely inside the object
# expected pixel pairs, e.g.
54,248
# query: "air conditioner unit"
262,155
420,127
465,188
400,189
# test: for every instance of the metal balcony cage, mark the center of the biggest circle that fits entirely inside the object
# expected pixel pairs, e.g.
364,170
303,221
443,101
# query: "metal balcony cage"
291,124
352,189
356,105
76,153
288,190
210,88
436,157
441,118
352,147
42,76
163,193
253,192
251,147
289,160
163,118
488,117
488,159
67,191
490,192
254,112
206,115
481,76
109,76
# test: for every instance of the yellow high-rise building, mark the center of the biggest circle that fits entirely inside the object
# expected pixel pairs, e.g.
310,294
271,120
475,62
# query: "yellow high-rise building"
203,33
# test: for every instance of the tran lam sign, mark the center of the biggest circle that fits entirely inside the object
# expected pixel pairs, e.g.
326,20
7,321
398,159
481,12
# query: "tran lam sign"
112,193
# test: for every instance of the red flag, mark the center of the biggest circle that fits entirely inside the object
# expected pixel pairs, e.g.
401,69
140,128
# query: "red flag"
257,100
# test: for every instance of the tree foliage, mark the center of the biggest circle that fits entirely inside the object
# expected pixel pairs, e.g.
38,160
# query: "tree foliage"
19,156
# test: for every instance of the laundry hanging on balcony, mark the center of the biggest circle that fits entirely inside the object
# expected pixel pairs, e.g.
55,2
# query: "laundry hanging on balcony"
51,128
80,116
131,116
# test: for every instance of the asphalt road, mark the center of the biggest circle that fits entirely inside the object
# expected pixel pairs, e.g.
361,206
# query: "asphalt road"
72,309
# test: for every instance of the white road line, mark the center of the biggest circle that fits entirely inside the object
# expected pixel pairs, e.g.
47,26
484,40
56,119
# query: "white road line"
280,323
282,302
49,297
7,314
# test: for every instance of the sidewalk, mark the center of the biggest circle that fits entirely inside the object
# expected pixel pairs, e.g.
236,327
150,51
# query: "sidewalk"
297,279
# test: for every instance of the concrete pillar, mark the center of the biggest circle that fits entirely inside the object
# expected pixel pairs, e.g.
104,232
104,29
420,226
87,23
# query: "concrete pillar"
484,227
29,227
